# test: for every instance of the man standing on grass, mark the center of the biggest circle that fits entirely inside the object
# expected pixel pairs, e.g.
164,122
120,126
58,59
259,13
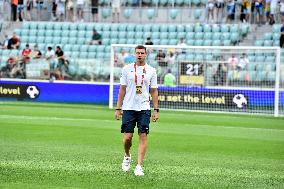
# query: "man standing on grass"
135,81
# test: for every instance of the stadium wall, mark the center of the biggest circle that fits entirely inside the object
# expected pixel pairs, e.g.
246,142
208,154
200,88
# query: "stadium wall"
98,93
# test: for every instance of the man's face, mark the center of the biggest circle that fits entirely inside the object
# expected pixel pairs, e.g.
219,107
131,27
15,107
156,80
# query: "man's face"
140,54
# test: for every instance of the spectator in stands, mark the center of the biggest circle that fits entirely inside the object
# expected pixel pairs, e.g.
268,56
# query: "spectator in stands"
121,57
161,58
20,9
282,35
70,10
169,79
258,9
39,6
14,42
94,8
29,5
115,10
220,75
14,5
233,62
148,41
4,44
96,38
210,6
26,51
54,10
171,60
220,4
231,8
60,56
181,43
282,10
35,54
273,9
267,4
61,9
50,54
245,9
243,62
80,10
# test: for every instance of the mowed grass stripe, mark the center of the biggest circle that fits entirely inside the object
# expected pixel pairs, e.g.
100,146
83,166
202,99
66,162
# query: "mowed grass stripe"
58,147
183,129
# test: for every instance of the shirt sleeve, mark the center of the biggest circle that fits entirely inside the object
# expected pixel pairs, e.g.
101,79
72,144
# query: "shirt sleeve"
123,77
153,81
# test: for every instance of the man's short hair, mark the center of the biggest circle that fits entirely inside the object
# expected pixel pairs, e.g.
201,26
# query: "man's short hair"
140,47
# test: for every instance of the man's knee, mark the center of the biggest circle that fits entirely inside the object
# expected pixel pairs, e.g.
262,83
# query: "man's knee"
128,137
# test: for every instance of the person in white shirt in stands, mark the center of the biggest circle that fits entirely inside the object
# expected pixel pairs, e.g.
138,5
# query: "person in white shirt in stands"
233,62
244,61
115,10
80,9
134,97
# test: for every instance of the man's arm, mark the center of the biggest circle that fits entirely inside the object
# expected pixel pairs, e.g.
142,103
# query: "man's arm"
154,94
121,94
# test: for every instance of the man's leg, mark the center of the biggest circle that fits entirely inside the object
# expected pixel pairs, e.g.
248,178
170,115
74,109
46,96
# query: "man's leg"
127,142
142,147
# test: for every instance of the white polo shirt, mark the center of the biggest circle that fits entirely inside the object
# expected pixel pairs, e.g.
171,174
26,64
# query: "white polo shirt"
133,101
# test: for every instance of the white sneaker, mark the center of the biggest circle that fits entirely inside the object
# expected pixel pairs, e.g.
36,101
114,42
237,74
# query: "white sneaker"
138,171
126,163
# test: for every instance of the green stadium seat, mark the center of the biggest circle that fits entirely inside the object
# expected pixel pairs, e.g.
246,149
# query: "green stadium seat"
72,40
198,35
173,14
108,34
40,33
105,13
216,42
93,48
57,26
267,36
227,42
226,35
197,13
216,29
106,41
173,35
276,28
151,13
139,28
208,35
40,39
207,28
48,40
164,35
146,35
244,29
32,39
258,43
130,27
260,58
81,34
122,41
173,42
225,28
182,35
127,13
207,42
147,28
164,42
139,35
234,28
155,35
198,42
271,76
190,42
67,47
164,28
267,43
58,33
130,41
261,75
217,35
172,28
234,37
113,40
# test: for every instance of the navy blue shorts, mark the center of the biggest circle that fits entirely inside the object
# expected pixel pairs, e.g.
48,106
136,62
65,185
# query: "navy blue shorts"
131,119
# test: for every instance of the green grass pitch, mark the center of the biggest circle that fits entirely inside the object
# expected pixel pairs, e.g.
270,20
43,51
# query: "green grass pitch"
46,145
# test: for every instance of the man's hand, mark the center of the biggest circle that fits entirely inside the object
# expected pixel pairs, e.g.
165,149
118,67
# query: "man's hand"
117,114
155,116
